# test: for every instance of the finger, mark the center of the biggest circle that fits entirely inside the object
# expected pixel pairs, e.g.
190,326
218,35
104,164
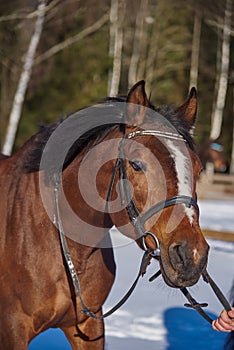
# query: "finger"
224,317
214,325
217,326
231,313
225,321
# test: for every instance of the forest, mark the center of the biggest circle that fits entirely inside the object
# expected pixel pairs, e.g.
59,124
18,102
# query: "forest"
87,49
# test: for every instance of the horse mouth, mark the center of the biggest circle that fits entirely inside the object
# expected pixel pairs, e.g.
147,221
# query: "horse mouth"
180,279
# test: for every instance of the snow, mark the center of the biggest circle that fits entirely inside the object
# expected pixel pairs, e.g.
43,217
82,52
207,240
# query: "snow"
154,317
217,215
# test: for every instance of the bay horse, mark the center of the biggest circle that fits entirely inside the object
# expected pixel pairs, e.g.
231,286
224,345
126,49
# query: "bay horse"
212,152
119,172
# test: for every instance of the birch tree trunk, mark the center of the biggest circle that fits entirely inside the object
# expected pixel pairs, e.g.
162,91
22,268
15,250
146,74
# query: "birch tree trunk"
152,57
153,46
23,81
139,39
223,80
218,70
195,49
116,44
232,154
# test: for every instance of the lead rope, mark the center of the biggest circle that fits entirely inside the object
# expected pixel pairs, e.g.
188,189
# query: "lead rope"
223,300
197,306
193,304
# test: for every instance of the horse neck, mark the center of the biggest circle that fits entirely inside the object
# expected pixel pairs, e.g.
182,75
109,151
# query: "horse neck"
85,208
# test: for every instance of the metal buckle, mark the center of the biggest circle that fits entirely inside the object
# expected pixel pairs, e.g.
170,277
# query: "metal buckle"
156,252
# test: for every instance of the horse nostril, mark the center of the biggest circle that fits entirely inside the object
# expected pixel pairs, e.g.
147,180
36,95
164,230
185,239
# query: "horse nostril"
178,255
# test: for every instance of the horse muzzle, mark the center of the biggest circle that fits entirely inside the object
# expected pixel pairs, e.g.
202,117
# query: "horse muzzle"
182,265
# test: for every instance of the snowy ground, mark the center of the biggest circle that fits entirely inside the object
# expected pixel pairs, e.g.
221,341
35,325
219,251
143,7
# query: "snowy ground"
154,317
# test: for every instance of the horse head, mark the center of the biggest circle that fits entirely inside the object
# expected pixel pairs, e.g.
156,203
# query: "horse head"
158,175
216,156
213,152
138,174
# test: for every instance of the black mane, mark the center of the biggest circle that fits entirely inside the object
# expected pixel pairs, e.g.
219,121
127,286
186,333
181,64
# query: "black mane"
38,142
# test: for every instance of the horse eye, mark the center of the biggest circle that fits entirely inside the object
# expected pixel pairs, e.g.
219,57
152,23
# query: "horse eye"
137,165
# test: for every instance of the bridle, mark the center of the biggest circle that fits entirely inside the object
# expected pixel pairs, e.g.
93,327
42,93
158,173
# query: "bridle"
138,220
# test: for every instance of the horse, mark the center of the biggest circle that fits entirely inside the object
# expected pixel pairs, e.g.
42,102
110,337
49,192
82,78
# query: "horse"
212,152
3,156
134,166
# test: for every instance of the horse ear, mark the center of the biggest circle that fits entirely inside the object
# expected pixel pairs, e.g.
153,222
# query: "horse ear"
188,110
137,103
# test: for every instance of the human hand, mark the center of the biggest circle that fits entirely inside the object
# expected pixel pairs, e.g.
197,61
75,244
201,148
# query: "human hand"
225,322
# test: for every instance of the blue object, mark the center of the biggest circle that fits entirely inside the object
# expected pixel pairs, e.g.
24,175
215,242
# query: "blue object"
52,339
188,330
216,147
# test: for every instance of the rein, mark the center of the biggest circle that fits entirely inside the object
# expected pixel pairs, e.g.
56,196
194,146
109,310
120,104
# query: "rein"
138,220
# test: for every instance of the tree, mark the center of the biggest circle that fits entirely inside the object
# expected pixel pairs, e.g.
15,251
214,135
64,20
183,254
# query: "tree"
232,151
138,41
116,44
195,47
142,40
16,27
24,79
72,40
224,69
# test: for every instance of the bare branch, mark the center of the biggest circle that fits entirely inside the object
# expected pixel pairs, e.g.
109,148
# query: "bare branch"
31,15
218,25
70,41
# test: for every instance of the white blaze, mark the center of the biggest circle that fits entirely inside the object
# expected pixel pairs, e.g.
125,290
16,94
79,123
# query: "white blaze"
183,171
